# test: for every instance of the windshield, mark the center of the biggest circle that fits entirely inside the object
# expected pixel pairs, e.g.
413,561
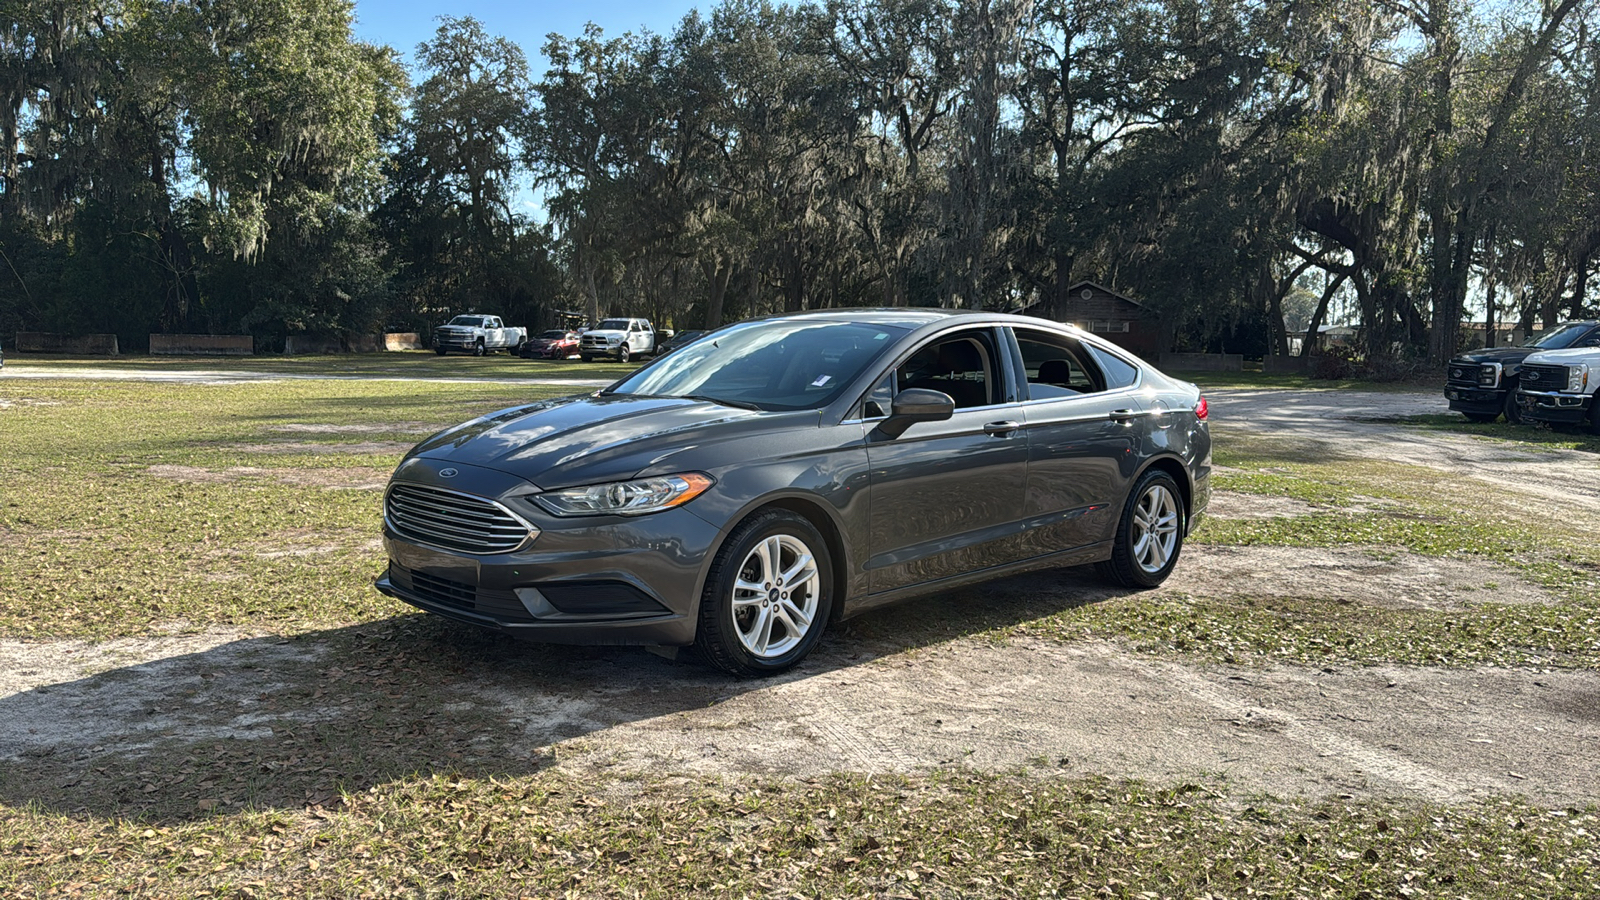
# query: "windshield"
612,325
1560,339
469,321
553,335
777,364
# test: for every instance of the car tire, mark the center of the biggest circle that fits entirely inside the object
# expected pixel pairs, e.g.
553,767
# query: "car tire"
624,354
1512,410
440,350
751,621
477,349
586,357
1594,417
1150,533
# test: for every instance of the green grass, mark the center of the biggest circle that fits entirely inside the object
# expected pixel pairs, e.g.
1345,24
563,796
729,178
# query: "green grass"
130,507
1523,437
953,834
1424,511
394,364
1217,381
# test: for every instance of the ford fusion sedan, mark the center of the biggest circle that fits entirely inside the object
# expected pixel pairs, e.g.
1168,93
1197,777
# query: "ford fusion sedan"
745,492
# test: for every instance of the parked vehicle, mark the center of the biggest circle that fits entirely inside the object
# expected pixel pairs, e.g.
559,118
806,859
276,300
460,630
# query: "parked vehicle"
682,339
1482,385
618,339
741,494
1558,386
477,334
557,343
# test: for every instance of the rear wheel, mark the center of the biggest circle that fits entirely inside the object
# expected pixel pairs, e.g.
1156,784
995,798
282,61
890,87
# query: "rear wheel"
768,595
1150,534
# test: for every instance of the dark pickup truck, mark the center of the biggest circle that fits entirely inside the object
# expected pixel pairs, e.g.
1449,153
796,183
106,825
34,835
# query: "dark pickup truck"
1482,385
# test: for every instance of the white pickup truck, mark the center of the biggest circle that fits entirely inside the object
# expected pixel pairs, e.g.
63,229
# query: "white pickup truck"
618,339
1558,386
477,334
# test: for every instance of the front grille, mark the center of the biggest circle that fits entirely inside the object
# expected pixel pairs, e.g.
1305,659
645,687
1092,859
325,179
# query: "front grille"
453,521
1544,378
443,590
1466,374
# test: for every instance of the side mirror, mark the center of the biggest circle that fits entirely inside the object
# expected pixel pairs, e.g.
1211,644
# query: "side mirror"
915,405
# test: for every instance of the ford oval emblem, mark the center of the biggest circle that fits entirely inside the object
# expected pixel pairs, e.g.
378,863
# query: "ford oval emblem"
447,473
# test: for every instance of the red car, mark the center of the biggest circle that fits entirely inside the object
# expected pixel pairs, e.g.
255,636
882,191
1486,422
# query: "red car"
553,344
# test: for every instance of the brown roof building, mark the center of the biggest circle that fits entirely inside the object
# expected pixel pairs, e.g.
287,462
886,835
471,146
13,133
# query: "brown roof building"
1116,317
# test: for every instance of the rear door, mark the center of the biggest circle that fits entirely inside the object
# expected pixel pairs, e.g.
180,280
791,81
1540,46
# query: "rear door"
1084,418
946,496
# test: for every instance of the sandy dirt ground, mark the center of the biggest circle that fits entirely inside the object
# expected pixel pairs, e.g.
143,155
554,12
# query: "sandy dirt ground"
224,718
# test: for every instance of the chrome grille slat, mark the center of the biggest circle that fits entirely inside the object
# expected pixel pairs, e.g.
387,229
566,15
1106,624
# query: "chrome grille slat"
447,513
453,521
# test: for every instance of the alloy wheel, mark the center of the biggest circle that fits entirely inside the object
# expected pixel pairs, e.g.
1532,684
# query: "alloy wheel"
775,596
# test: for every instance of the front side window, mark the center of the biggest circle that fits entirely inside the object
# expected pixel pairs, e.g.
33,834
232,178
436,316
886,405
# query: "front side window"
961,365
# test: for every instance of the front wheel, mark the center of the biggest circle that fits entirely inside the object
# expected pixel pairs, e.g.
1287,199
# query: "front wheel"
624,354
768,596
440,350
1149,535
477,349
586,357
1512,409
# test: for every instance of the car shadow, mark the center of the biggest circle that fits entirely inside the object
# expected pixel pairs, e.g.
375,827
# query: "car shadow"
275,723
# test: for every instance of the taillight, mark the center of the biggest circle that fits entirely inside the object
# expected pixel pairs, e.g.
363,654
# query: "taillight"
1202,409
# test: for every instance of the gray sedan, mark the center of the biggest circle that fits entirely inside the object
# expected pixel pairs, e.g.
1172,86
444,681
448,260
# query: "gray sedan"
784,473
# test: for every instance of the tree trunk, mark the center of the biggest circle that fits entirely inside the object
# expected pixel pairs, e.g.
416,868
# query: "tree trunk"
717,274
1310,340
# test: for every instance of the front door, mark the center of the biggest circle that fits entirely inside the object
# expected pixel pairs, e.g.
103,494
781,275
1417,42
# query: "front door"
947,496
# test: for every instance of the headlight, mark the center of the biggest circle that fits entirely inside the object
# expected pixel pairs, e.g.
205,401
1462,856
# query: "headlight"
626,498
1577,378
1489,375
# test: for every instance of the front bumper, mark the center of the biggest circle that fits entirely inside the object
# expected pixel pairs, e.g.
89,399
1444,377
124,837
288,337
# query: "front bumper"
1554,407
1473,399
455,343
601,580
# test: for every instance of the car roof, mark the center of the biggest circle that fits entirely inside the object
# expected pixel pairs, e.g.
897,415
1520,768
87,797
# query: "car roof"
917,316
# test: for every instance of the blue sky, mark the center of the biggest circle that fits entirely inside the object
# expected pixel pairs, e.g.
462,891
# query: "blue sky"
403,24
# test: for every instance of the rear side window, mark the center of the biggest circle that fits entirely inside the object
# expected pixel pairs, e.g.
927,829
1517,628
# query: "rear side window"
1119,373
1058,366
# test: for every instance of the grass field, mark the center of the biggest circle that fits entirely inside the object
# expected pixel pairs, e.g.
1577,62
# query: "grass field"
137,509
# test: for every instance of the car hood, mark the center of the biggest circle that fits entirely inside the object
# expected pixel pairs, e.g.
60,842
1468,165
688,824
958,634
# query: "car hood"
1497,354
1568,357
590,439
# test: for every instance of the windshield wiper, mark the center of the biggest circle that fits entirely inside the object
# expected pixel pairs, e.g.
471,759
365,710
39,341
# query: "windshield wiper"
736,404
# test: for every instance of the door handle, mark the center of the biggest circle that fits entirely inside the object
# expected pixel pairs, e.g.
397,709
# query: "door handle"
1124,416
1001,429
